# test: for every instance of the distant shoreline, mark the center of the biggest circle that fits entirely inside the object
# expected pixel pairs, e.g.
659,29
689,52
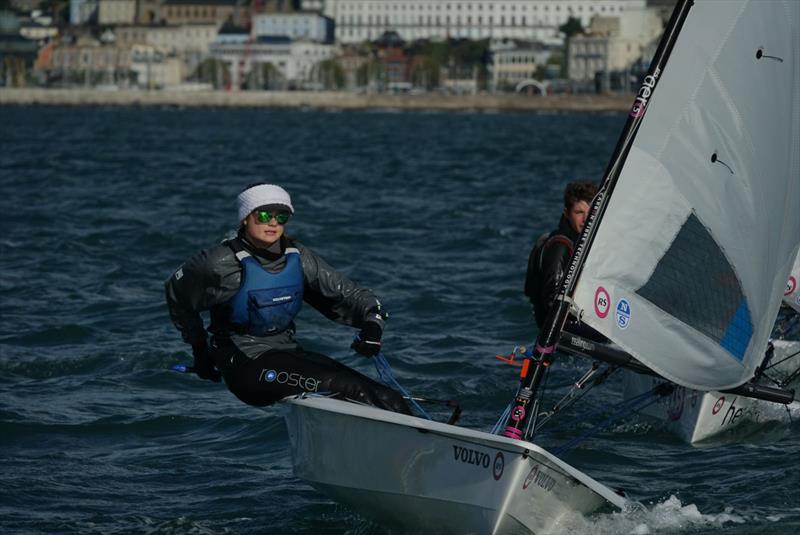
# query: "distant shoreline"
321,99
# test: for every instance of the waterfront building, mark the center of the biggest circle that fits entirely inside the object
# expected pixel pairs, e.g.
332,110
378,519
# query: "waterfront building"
187,42
154,70
113,12
613,45
296,63
531,20
395,68
312,5
177,12
170,40
83,60
277,6
147,11
17,54
25,6
37,31
353,61
303,26
515,65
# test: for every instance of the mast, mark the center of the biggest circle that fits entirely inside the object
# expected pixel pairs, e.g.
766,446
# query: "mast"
525,405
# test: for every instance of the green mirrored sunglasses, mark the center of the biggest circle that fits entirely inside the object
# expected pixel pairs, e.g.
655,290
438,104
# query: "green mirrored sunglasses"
264,217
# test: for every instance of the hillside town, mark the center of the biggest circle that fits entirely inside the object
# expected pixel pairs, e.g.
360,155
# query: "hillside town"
364,46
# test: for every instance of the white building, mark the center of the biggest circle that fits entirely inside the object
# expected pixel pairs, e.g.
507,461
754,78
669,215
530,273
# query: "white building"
181,40
153,69
312,5
37,32
515,64
613,44
110,12
188,42
532,20
302,26
296,61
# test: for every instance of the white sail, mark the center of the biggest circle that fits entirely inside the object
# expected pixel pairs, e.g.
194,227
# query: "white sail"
791,296
691,259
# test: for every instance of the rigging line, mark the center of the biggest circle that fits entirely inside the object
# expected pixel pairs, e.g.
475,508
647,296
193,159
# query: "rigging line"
793,355
792,376
538,402
658,390
500,422
570,398
652,397
386,375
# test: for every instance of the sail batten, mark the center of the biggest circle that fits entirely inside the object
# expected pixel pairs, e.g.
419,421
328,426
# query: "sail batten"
689,263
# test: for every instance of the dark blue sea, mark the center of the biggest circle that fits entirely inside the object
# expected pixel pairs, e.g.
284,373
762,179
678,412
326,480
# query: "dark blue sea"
434,211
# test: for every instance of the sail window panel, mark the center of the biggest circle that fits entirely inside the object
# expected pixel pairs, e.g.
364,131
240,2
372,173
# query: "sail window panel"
695,283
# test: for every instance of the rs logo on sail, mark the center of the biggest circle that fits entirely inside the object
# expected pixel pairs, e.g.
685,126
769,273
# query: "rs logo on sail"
468,456
640,102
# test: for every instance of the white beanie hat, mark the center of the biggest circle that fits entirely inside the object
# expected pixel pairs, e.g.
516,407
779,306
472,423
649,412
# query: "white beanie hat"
262,195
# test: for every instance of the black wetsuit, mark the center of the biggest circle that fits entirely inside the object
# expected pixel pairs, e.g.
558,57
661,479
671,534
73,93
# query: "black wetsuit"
547,264
262,369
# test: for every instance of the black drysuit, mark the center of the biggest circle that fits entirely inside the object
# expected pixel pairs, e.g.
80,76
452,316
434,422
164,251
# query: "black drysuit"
261,370
547,264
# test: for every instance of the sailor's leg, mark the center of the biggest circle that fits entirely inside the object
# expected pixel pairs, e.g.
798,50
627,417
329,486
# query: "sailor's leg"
277,374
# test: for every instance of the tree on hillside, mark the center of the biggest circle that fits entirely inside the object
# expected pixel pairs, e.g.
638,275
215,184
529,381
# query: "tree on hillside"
458,56
570,28
264,75
331,74
425,73
371,74
212,71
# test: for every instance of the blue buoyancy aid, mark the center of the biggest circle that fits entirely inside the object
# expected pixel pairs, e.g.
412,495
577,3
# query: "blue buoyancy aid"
266,302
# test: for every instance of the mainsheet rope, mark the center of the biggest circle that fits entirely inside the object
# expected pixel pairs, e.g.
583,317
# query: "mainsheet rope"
387,377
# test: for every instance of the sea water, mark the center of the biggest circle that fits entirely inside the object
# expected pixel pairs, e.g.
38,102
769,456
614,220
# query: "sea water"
436,212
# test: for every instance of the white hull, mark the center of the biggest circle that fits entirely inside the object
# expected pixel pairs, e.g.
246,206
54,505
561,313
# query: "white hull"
713,417
424,476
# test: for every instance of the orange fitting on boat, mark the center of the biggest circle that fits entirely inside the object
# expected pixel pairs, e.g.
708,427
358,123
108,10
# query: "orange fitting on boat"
524,371
508,360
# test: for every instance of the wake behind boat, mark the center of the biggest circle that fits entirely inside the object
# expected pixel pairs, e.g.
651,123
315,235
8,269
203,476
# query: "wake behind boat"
424,476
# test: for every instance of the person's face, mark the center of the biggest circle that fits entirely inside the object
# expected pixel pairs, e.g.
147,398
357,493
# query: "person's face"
577,215
265,227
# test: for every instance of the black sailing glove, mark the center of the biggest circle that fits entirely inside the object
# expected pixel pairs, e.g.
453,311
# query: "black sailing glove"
368,341
203,366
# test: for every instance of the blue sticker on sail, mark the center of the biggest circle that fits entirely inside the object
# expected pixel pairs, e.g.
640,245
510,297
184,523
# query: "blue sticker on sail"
738,334
623,313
